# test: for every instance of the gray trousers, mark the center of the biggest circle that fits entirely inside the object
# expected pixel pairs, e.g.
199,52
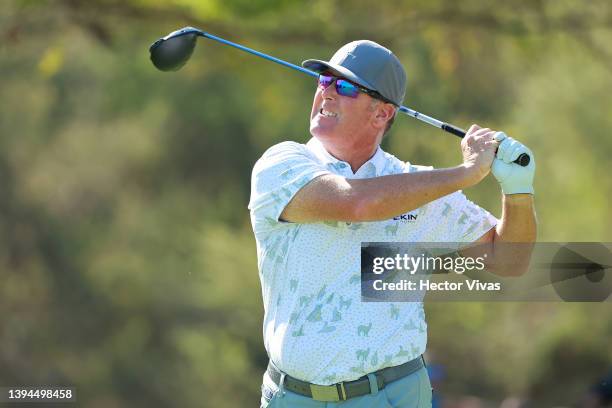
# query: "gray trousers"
413,391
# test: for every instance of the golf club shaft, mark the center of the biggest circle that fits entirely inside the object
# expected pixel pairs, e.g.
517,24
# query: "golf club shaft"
410,112
522,160
259,54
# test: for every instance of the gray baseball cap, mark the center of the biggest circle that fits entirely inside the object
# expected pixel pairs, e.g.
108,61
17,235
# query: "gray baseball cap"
368,64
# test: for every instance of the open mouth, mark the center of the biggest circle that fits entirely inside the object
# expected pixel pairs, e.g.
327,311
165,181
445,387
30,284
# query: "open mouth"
327,114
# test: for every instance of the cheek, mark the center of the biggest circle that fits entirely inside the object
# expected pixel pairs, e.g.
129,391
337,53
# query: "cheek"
316,102
359,117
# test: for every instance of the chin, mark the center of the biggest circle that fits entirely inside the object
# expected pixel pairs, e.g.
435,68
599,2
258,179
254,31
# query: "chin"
322,132
316,130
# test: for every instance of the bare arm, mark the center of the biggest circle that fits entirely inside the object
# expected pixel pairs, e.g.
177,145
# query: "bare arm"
335,198
517,225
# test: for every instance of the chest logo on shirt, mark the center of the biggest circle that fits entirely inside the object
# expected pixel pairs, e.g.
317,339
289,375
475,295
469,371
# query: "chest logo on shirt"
408,217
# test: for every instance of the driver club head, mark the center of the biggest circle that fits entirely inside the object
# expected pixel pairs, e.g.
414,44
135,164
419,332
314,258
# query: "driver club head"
171,52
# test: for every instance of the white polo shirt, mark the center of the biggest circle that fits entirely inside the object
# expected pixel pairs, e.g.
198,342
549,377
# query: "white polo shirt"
315,327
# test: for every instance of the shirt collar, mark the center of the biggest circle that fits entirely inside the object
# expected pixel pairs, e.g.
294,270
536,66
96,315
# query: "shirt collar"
374,165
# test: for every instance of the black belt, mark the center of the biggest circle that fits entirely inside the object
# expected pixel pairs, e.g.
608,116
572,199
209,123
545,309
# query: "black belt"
345,390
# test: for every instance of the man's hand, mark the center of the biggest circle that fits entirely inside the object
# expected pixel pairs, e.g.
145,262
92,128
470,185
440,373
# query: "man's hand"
478,148
513,178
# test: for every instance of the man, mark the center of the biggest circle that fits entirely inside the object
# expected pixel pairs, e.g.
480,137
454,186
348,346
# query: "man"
311,207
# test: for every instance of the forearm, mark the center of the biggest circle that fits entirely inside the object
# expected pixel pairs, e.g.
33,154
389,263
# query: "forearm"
518,221
514,235
388,196
332,197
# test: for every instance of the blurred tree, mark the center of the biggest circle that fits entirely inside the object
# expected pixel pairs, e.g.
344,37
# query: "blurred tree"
127,265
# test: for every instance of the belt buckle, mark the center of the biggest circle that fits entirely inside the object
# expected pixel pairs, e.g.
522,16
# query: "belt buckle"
328,393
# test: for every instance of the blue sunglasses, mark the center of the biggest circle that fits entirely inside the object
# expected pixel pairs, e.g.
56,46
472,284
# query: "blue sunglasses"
346,88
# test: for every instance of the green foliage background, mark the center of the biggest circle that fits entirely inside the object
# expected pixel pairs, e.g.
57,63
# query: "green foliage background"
127,262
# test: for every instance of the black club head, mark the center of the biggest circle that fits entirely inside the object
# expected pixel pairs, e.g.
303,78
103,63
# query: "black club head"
173,51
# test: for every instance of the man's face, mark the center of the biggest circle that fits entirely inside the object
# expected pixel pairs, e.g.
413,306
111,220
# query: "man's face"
342,120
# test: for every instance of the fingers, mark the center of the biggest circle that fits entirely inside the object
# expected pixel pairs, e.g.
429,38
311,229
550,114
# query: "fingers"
477,131
473,128
517,151
509,150
492,143
483,132
499,136
480,139
504,147
501,170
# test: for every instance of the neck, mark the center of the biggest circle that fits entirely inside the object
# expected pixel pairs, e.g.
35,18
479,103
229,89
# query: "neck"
355,156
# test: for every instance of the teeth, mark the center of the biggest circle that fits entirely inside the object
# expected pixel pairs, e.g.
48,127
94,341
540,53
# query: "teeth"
328,113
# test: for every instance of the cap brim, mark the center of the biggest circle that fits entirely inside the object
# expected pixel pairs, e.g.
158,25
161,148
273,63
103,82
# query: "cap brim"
320,66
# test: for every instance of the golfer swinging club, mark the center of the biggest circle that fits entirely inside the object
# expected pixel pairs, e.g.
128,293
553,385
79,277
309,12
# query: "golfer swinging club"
313,205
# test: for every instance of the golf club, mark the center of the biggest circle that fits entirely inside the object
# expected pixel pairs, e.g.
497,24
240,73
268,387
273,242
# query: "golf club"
171,52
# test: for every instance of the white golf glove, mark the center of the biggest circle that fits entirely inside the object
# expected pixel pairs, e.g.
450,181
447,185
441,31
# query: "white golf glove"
513,178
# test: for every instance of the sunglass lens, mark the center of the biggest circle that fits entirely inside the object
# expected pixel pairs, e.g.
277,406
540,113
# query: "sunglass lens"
345,88
325,81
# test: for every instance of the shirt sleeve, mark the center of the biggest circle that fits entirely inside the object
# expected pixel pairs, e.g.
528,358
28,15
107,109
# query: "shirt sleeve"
463,220
458,220
277,176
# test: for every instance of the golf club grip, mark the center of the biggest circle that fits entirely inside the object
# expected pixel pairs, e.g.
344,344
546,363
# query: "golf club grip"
522,160
453,129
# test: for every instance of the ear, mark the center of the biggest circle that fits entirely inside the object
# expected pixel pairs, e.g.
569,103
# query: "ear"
384,112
